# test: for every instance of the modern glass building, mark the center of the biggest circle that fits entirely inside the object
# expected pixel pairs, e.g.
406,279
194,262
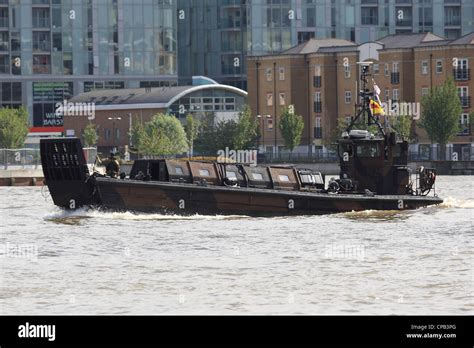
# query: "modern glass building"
51,50
215,34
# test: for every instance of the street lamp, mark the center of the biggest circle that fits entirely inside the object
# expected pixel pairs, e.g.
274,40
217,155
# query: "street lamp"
113,119
262,122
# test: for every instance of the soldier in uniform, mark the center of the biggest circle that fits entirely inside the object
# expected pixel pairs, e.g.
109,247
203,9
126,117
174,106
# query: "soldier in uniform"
112,168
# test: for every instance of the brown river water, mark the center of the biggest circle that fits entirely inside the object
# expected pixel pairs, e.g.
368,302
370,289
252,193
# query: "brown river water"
90,262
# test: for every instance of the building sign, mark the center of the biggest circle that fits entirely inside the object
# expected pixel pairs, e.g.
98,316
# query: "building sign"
45,97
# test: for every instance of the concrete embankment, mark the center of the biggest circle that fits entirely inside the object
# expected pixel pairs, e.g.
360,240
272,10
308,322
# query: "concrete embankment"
21,177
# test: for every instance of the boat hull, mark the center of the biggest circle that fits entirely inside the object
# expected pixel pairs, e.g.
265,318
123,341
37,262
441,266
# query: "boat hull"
187,199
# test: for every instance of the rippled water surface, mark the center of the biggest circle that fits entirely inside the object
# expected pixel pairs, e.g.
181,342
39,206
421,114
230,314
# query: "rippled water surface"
89,262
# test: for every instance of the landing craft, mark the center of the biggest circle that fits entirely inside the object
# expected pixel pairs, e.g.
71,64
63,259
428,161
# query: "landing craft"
374,175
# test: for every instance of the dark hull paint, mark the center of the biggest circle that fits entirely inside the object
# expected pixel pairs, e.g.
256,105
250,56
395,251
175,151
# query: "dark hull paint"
185,199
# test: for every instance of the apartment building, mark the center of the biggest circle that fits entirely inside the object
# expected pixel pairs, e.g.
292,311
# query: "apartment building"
320,78
215,36
51,50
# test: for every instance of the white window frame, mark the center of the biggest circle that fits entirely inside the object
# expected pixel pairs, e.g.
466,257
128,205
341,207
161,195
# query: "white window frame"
439,66
317,96
282,99
347,71
387,94
347,97
386,69
424,91
281,73
269,74
395,67
376,71
396,93
424,67
269,99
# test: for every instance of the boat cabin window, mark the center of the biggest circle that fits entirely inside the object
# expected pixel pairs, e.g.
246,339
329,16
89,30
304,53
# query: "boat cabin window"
230,174
178,170
257,176
203,172
346,148
368,150
284,178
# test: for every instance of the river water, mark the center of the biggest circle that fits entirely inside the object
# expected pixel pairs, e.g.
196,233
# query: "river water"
90,262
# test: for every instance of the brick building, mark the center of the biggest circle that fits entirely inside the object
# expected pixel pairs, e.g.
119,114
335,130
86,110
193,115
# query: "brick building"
320,76
117,110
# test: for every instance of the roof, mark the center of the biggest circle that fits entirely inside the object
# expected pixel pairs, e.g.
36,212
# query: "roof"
318,45
411,40
467,39
161,97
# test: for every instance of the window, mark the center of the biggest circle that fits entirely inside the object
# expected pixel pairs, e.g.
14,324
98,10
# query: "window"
41,65
230,174
317,102
464,124
347,71
395,67
40,17
464,96
395,94
282,99
387,94
376,69
107,134
281,74
369,15
317,77
257,176
348,120
424,67
178,170
203,172
318,133
386,69
269,99
439,66
368,150
424,91
269,74
348,97
284,178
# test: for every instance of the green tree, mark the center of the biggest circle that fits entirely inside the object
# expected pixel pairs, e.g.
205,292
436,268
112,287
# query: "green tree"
192,131
246,130
163,135
440,116
402,125
214,136
14,127
291,128
90,135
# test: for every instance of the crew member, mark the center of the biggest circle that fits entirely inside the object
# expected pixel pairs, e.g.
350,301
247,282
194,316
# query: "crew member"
112,168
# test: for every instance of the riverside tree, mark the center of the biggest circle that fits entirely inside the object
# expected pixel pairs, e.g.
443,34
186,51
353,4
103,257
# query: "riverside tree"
163,135
192,131
440,116
90,135
291,127
14,127
246,132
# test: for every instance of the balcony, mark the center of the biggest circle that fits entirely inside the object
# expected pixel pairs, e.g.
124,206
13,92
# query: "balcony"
318,107
395,78
4,22
317,81
465,102
41,22
462,74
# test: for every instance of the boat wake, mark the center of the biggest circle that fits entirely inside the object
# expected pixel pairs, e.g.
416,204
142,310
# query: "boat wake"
74,217
451,202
